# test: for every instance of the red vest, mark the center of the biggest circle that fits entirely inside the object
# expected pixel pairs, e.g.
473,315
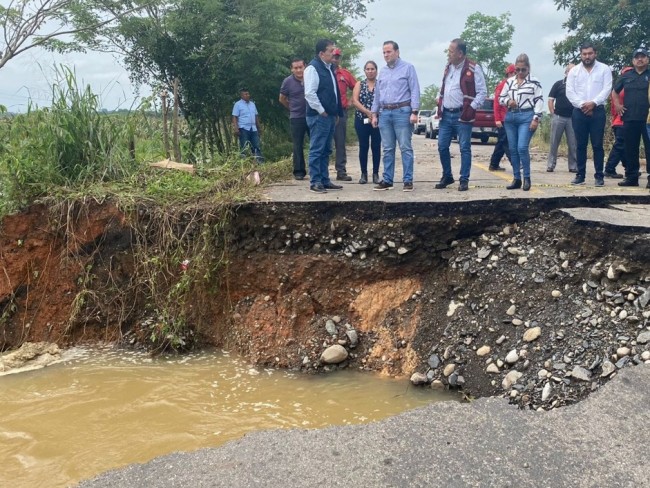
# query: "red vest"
467,86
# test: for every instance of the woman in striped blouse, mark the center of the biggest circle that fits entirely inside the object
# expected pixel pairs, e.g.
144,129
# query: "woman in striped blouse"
522,95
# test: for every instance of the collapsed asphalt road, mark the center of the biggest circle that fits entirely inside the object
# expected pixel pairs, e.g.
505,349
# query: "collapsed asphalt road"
598,442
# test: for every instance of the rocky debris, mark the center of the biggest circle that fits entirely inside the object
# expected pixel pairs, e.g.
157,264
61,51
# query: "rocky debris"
31,355
585,315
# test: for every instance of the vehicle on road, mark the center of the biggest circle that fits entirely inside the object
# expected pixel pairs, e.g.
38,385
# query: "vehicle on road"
419,126
484,125
431,125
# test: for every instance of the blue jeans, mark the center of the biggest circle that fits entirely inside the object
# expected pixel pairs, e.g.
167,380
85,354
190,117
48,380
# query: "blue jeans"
519,134
586,128
250,139
321,130
450,125
395,128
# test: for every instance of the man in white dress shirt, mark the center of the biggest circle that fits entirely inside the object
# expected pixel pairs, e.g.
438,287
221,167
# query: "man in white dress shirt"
588,87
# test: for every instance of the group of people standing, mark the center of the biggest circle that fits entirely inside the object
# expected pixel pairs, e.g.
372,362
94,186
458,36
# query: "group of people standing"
387,103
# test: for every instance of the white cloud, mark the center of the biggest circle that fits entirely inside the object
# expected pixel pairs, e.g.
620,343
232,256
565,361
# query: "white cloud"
423,29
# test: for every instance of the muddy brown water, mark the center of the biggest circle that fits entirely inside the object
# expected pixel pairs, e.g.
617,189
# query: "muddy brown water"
101,409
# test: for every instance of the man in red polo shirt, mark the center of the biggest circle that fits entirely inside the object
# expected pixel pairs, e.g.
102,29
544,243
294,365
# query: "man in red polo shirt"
346,82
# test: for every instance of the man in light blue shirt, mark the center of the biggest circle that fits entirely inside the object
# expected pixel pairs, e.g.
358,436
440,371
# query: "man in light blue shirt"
394,111
246,125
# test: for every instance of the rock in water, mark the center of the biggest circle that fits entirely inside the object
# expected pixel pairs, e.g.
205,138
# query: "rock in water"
334,355
419,379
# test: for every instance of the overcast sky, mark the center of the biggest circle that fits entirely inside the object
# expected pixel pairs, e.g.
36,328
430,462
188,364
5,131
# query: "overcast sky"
422,28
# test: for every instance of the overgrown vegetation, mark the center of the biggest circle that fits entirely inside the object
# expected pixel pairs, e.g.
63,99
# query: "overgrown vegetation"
71,156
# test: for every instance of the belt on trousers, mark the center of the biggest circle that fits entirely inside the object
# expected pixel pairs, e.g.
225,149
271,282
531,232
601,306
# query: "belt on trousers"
520,110
393,106
451,110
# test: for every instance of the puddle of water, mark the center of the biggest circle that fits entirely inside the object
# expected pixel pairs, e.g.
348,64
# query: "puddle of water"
103,409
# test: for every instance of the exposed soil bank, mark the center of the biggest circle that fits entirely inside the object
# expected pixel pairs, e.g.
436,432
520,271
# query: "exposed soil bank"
408,287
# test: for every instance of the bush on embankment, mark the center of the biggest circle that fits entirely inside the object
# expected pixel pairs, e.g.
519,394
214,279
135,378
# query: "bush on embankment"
71,157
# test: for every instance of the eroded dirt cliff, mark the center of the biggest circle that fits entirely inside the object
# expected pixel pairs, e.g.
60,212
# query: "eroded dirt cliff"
406,289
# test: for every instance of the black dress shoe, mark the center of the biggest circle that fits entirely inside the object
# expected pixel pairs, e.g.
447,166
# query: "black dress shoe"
364,179
444,182
526,186
332,186
463,185
317,189
515,185
375,179
343,177
628,182
496,168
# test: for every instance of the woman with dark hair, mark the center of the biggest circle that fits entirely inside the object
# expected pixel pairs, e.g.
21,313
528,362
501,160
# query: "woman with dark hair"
522,96
369,137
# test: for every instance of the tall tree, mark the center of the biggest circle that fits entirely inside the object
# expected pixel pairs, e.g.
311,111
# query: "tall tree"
489,40
214,47
616,27
429,97
60,25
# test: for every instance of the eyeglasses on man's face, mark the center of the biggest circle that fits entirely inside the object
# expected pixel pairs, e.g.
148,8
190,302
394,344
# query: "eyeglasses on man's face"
521,70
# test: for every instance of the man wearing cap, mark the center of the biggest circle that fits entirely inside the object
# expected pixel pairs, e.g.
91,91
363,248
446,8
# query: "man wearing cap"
634,112
561,112
292,97
345,82
394,111
588,86
501,147
463,91
246,125
323,108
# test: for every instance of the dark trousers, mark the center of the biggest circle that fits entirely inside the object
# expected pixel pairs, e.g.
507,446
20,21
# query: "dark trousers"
617,154
634,131
589,128
298,131
500,148
339,144
369,137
